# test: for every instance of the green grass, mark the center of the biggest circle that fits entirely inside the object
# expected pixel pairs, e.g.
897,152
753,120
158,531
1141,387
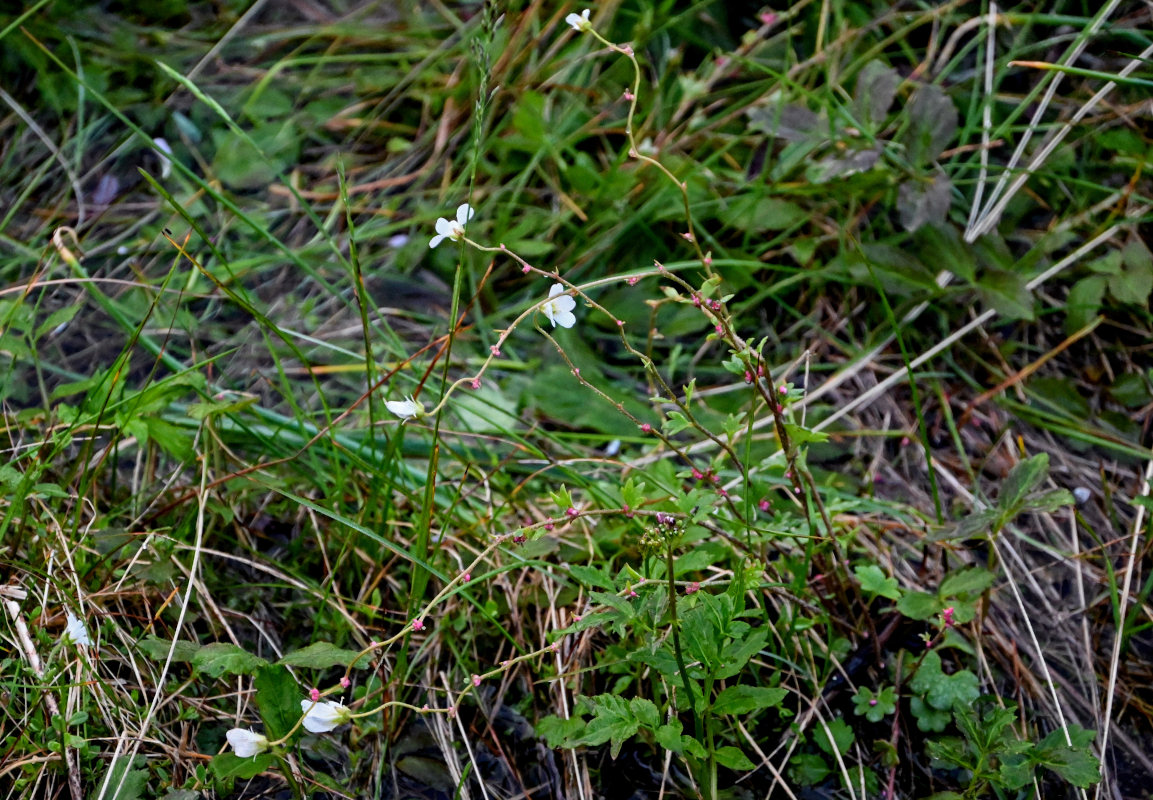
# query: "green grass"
612,558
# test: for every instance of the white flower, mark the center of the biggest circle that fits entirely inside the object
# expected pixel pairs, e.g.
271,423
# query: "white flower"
447,229
164,150
559,307
246,743
580,22
321,717
74,631
405,409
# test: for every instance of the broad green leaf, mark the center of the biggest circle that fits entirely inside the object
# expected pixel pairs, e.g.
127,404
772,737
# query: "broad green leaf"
219,658
919,605
229,766
278,699
932,125
837,734
738,652
733,758
591,576
972,581
646,712
1007,294
808,769
1074,765
876,87
943,245
322,655
942,691
157,649
1084,302
875,582
123,782
743,699
929,719
612,721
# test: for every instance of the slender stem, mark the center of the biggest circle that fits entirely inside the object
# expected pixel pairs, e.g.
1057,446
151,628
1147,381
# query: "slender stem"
677,642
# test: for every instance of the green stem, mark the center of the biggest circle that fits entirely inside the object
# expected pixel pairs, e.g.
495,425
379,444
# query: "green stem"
697,728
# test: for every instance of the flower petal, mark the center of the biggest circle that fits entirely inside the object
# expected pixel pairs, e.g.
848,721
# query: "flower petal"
75,631
556,289
440,237
464,213
566,319
246,743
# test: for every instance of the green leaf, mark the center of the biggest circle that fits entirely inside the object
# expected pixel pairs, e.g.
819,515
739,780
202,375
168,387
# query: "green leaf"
876,87
876,583
929,719
592,576
1021,480
1077,766
157,649
733,758
1134,283
219,658
838,735
646,712
971,582
560,732
123,782
1049,501
808,769
942,691
1007,294
322,655
874,707
612,721
278,700
743,699
737,653
932,124
229,766
802,435
675,423
670,736
1084,302
919,605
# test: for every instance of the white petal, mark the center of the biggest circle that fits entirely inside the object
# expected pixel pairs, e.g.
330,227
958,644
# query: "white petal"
440,237
323,716
246,743
556,289
405,409
74,630
165,156
566,319
444,227
564,304
464,213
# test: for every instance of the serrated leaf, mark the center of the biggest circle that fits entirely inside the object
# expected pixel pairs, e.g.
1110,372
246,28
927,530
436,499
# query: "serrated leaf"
670,736
612,721
875,582
942,691
322,655
737,653
646,712
219,658
1074,765
277,700
1021,480
836,734
801,435
743,699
